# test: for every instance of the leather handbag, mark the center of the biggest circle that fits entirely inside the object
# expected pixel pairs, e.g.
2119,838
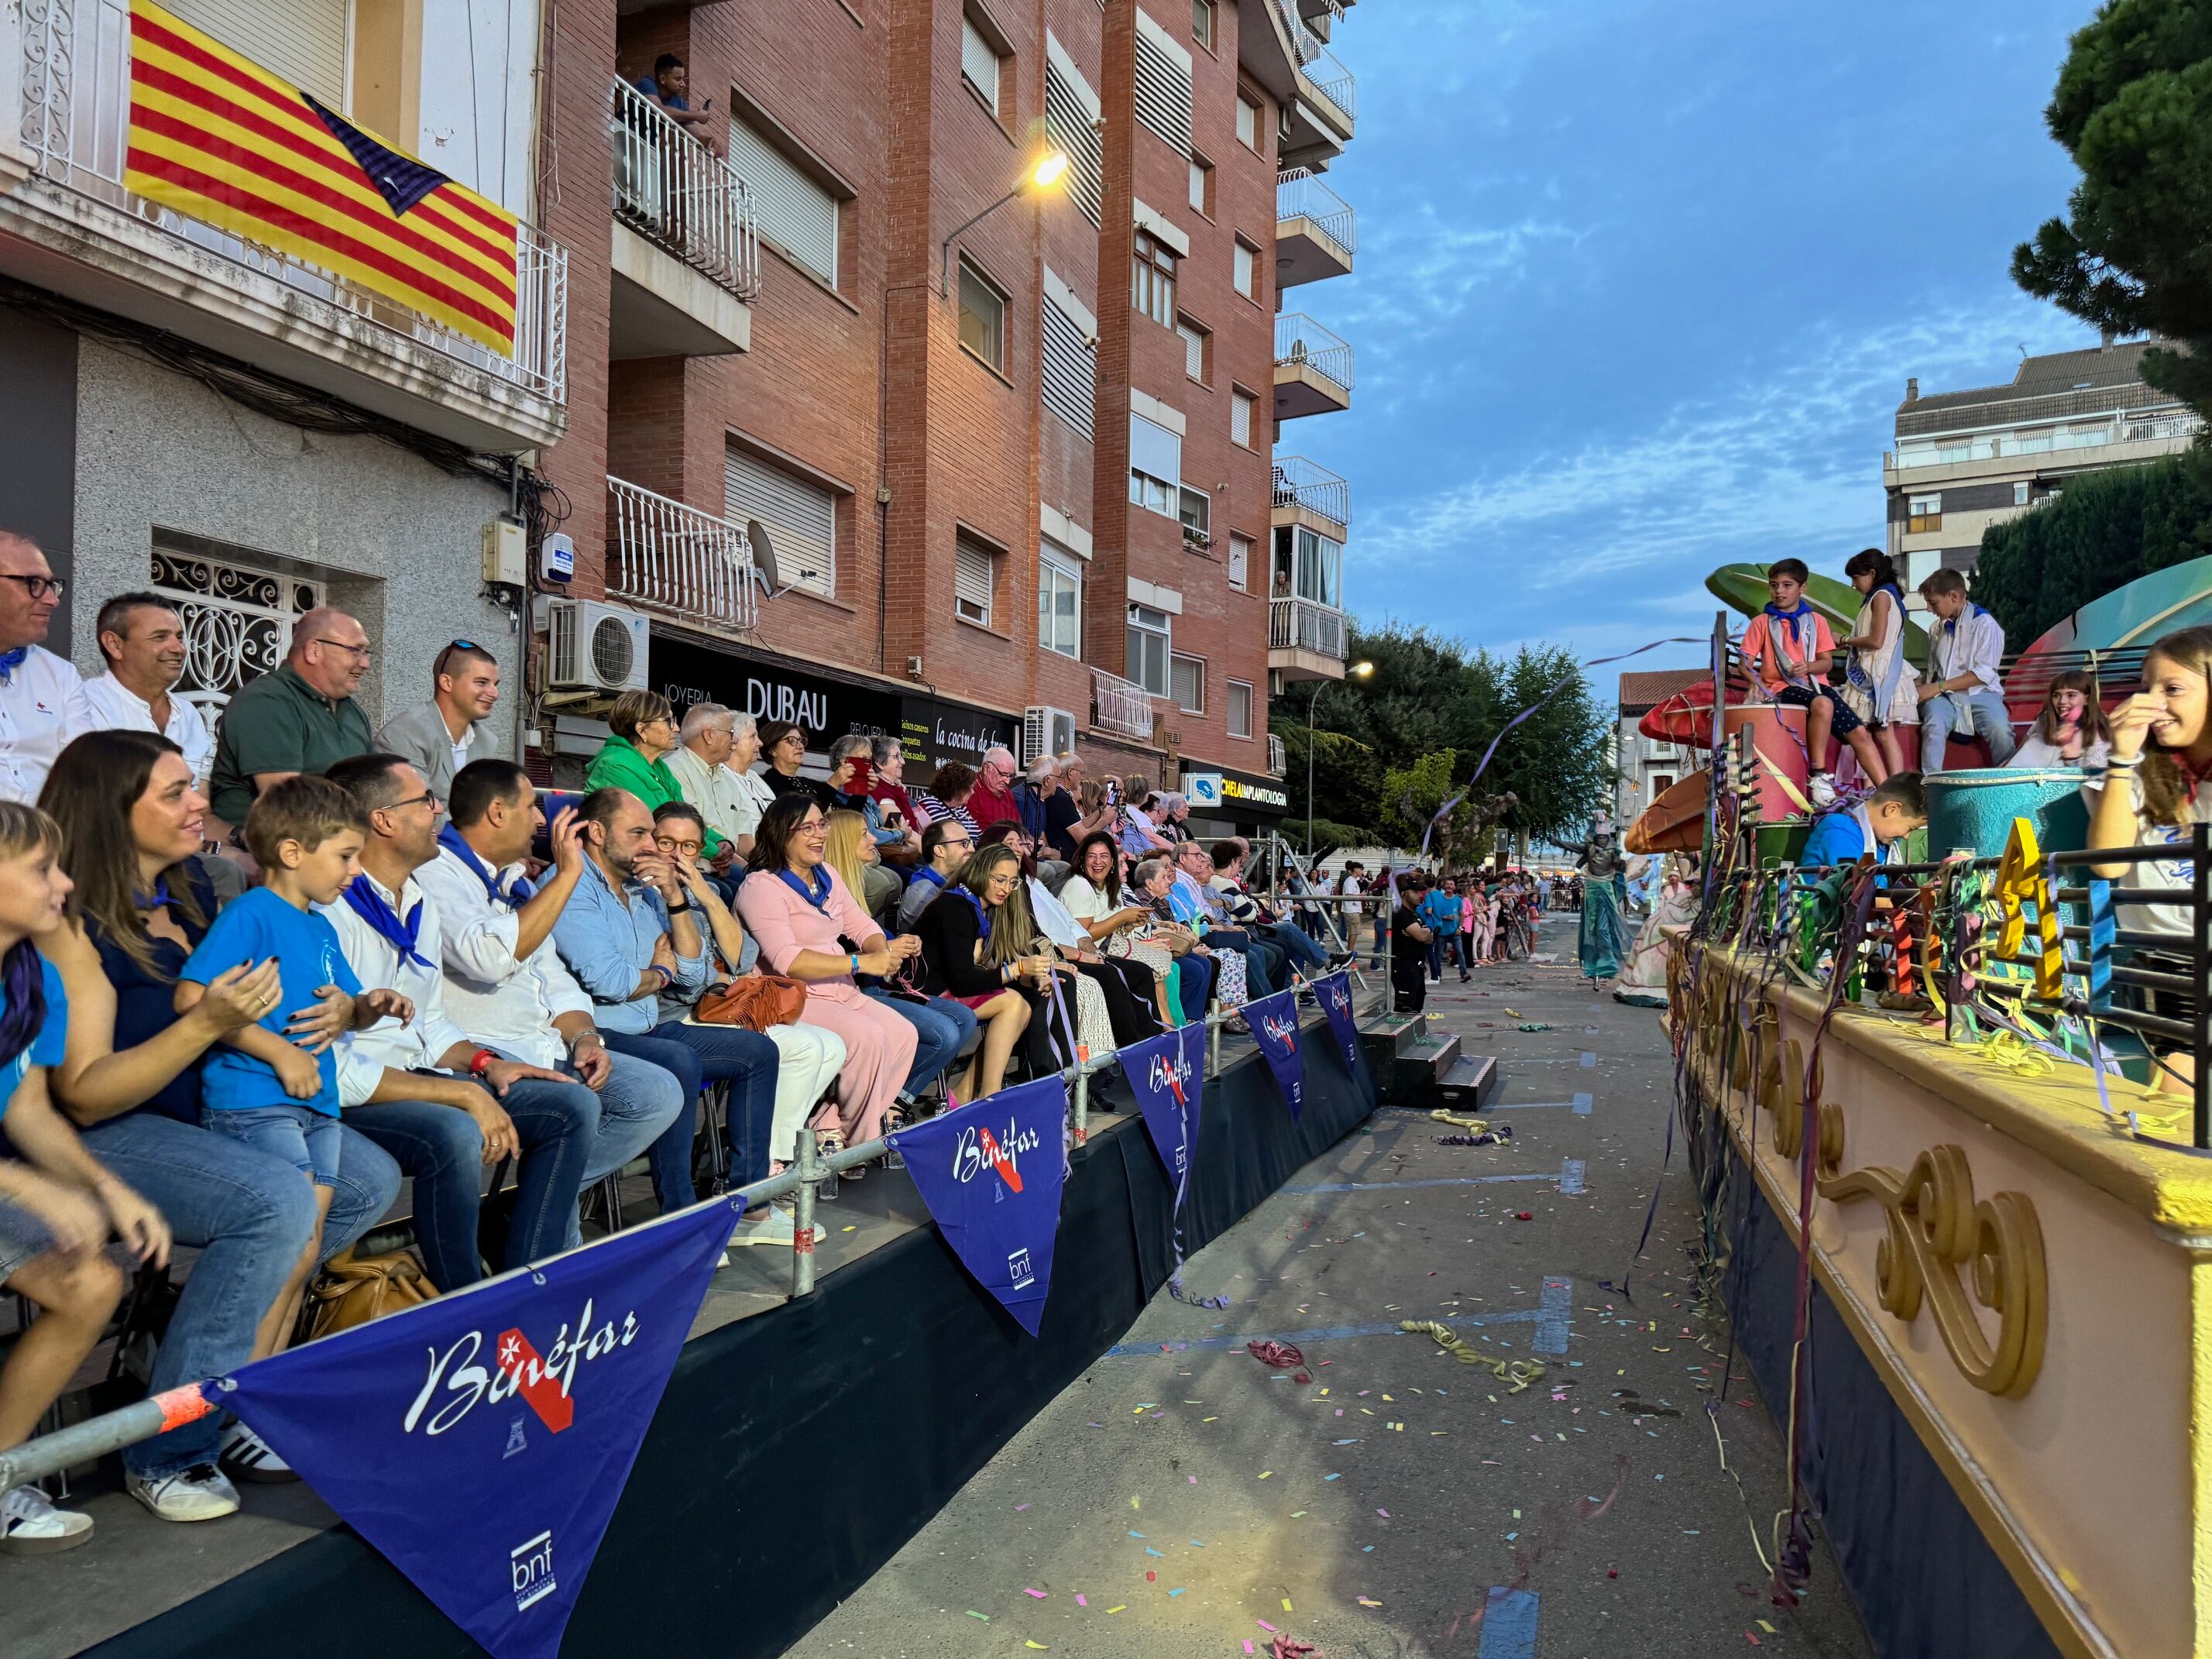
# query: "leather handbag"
756,1001
354,1290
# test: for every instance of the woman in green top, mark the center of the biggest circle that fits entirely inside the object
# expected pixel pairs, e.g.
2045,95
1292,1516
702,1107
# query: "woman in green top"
634,758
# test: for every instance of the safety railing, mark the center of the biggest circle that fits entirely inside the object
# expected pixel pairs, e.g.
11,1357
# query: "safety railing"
76,117
1301,482
1300,194
1302,342
1302,625
1333,81
1121,706
667,557
673,189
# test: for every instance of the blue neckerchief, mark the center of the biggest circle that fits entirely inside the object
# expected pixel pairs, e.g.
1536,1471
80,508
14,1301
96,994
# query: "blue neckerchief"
927,874
370,905
817,892
518,892
1775,611
158,900
12,660
982,916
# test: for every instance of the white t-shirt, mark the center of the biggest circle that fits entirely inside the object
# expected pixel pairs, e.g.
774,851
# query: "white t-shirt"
2034,751
1083,902
2172,873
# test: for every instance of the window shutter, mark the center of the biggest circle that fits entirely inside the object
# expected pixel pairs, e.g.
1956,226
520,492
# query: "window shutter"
1193,350
800,518
795,213
302,41
1240,710
1247,121
1068,118
971,581
979,61
1187,682
1240,418
1163,97
1071,370
1154,451
1240,559
1247,262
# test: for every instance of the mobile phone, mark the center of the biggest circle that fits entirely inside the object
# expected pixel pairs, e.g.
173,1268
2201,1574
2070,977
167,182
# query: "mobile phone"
863,772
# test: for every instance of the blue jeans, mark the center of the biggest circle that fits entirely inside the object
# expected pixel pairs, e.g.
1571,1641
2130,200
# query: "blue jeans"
941,1029
1986,718
636,1106
1263,961
1296,944
698,1055
441,1147
1194,976
304,1137
248,1213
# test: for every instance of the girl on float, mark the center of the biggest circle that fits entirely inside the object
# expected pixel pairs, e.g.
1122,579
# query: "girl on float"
2071,731
1879,684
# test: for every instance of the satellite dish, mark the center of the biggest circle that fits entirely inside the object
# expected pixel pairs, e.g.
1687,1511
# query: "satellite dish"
757,537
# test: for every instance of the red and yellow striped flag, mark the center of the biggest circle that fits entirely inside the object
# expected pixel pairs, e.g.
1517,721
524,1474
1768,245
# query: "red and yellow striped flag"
220,139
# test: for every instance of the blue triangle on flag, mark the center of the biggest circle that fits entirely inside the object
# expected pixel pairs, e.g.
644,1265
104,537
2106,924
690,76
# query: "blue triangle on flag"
401,180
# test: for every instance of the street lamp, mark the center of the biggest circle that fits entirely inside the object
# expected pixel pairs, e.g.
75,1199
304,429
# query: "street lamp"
1358,670
1046,174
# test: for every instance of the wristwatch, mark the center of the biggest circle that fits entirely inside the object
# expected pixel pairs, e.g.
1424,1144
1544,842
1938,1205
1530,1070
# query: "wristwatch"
679,909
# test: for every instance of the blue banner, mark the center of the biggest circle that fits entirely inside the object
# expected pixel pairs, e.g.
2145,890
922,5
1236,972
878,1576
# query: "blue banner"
481,1441
1167,1074
1333,993
991,1174
1273,1023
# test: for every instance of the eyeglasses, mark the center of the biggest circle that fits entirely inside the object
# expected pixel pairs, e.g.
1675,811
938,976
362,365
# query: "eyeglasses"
361,651
669,844
815,828
38,587
426,798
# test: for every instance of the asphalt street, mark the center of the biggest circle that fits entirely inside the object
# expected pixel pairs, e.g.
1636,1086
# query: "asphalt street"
1184,1498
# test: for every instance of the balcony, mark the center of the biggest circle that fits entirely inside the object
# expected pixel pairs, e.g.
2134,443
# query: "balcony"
663,556
1313,369
1305,640
1312,495
686,253
1315,233
71,228
1285,55
1121,706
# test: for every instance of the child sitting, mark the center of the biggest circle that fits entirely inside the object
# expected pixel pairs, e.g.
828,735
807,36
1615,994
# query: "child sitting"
1962,692
1877,823
1789,645
2070,730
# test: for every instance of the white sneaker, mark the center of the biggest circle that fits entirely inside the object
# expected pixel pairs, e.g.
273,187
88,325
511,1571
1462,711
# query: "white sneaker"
247,1456
31,1525
772,1226
1821,790
200,1493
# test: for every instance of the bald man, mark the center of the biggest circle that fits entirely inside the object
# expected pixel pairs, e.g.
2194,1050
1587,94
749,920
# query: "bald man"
300,718
42,702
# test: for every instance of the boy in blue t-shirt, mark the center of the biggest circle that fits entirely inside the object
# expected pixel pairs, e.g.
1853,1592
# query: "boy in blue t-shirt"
1877,824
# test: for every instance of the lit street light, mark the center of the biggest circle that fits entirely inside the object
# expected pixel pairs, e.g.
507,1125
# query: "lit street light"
1050,169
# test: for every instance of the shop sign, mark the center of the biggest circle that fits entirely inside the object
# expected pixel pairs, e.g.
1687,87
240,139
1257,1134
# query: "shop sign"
1256,794
686,673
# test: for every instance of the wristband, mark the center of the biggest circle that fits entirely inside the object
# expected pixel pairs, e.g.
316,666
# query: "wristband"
2125,762
852,957
481,1063
666,978
680,909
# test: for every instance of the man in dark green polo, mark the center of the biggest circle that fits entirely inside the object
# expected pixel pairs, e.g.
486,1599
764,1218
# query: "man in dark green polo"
300,718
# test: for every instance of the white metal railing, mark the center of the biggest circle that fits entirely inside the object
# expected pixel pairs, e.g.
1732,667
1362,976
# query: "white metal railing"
1300,483
1300,194
1332,80
1295,625
678,559
1120,706
76,119
1304,342
673,189
1278,760
2122,427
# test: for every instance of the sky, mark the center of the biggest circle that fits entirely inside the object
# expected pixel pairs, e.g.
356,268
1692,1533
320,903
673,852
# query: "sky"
1639,284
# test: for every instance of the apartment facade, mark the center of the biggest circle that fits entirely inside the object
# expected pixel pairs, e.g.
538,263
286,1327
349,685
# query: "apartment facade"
1646,767
1966,460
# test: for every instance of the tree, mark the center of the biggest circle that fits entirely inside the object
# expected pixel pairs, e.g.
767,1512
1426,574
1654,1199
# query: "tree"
1414,795
2134,109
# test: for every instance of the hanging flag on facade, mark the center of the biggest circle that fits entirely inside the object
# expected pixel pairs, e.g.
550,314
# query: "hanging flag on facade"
1273,1023
222,140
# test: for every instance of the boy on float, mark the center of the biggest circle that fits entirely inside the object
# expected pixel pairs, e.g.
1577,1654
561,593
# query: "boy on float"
1788,647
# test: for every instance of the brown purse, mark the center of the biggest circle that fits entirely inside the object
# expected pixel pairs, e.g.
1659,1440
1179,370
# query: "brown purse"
353,1290
756,1001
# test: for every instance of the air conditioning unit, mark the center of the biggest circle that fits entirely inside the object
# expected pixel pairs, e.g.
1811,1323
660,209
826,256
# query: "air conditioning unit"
594,647
1045,732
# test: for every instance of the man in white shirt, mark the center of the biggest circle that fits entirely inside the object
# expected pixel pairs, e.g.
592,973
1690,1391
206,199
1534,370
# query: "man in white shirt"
756,794
505,986
1961,692
42,701
701,766
142,635
437,737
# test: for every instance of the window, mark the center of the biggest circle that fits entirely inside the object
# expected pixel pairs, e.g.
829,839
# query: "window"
1163,89
1307,566
302,41
1927,514
1240,710
973,566
2019,493
1150,640
1660,783
979,63
1155,466
1201,22
1240,561
982,317
1201,185
1070,368
1060,602
1196,342
1152,279
800,517
1246,269
1247,121
1197,514
1071,117
795,214
1187,682
1241,404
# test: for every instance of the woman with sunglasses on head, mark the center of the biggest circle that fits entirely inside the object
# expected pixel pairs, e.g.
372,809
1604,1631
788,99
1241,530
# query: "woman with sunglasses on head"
643,732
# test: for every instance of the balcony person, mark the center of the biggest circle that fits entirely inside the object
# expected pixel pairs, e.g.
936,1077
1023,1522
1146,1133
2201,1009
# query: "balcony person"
142,636
642,733
42,701
302,718
436,738
668,89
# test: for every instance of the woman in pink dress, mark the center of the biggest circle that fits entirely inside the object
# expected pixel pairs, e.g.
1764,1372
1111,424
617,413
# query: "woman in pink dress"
810,927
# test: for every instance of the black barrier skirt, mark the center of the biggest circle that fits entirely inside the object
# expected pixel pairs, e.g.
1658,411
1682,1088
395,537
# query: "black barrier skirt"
1925,1580
794,1452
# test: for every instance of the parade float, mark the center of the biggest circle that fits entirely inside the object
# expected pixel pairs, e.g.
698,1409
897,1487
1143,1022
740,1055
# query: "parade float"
1958,1185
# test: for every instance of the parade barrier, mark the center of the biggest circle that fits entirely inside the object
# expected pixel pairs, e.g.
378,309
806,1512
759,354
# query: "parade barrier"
790,1453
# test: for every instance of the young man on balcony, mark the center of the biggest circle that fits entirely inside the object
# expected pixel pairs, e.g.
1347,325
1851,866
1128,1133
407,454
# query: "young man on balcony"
669,89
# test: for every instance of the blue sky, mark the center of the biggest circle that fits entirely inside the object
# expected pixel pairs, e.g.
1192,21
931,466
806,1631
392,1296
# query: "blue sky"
1639,284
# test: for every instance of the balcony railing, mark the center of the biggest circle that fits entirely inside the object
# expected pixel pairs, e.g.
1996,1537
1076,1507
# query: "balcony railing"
1120,706
1333,81
1305,625
76,119
1300,483
678,559
1301,342
673,190
1300,194
2123,426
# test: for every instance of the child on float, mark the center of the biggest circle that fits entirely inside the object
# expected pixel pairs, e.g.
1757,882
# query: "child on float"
1962,692
1898,806
1879,684
1788,647
2071,730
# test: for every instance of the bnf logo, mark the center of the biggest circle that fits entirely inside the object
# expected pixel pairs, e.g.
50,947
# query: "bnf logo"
530,1567
1020,1271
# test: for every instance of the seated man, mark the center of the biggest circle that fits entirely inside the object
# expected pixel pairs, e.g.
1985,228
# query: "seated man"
505,986
631,937
945,846
1197,906
435,737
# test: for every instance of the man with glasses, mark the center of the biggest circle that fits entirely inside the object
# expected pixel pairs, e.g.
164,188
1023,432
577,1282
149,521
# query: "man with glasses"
700,763
993,799
302,718
42,701
436,738
945,846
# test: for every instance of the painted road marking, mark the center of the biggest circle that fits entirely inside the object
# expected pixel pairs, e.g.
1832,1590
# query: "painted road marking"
1580,1105
1509,1625
1570,1176
1552,1315
1535,1316
1589,1060
1568,1167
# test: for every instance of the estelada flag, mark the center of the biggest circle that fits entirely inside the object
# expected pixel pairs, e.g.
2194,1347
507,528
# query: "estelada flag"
220,139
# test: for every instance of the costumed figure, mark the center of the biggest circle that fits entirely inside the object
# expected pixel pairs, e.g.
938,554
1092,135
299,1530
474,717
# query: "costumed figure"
1604,942
1643,982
